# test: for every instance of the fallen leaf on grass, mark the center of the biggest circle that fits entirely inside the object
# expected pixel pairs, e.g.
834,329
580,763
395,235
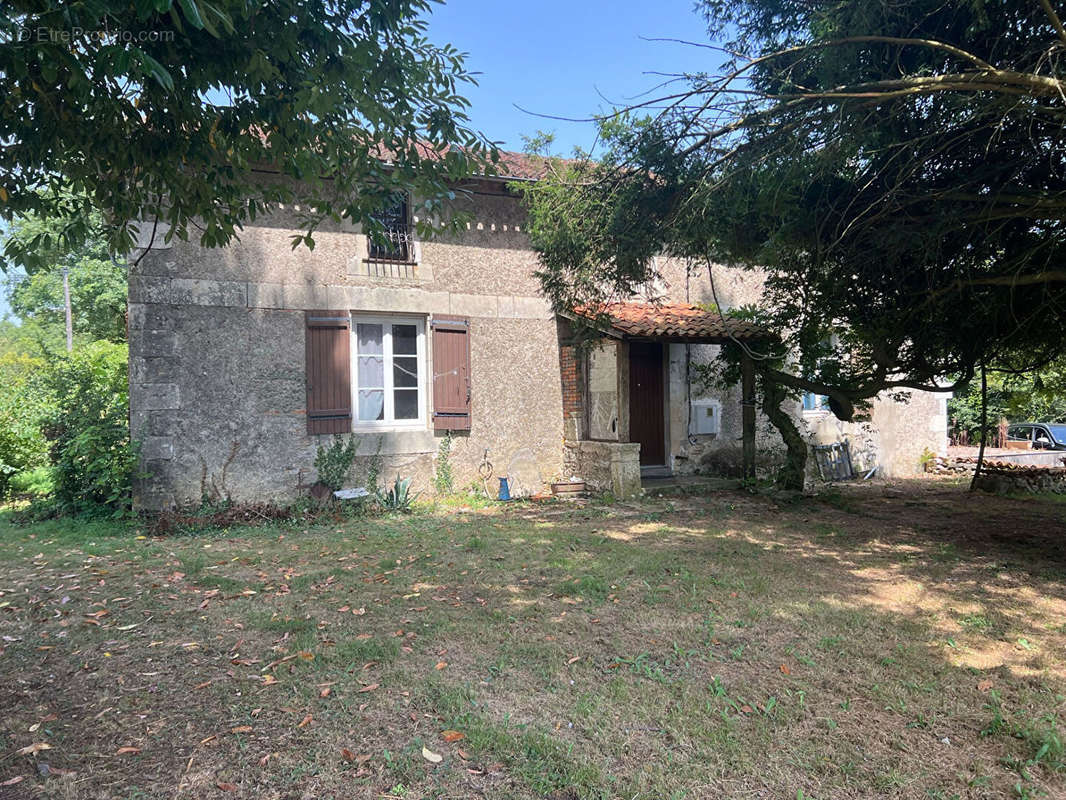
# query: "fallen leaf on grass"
573,659
305,721
747,709
785,670
441,665
13,781
369,688
34,749
226,787
203,685
452,736
269,680
48,770
984,686
325,692
241,729
358,758
430,756
128,750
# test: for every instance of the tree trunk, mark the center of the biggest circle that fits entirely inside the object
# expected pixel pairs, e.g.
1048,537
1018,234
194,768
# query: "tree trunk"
984,430
792,472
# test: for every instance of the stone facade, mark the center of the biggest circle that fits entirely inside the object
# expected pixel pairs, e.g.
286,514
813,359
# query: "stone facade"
217,372
217,367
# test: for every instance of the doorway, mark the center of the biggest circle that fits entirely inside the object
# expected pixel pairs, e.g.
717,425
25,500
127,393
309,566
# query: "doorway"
647,420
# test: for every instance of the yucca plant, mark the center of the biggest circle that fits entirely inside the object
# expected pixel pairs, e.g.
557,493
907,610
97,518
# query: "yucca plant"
399,497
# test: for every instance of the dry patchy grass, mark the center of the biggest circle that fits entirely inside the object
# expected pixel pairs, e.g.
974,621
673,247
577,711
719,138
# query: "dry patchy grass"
864,647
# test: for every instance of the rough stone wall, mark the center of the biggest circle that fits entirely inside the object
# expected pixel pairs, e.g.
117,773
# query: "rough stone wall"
606,466
217,375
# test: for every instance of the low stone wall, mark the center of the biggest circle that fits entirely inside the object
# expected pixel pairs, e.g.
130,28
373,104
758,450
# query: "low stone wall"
1029,480
605,466
1008,477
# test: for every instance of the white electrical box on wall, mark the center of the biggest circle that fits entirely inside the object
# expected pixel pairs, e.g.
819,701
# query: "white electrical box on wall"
706,416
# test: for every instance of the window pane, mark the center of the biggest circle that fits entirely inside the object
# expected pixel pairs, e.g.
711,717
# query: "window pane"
369,339
371,371
371,405
405,403
405,372
404,340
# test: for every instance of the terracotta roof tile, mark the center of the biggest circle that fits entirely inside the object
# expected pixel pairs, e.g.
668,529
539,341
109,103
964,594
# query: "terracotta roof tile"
675,321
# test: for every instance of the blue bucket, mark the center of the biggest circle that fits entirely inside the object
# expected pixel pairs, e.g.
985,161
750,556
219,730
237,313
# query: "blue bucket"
505,491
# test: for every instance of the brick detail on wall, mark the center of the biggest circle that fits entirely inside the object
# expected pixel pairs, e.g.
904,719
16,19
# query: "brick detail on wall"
568,367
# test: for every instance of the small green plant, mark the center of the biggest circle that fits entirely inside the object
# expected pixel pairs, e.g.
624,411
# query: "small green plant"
443,480
333,462
997,724
373,471
926,460
399,497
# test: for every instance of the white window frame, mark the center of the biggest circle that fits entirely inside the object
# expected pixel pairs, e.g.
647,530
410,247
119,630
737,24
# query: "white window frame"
387,321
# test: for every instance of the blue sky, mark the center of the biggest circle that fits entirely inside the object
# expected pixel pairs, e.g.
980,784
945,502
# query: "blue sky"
555,57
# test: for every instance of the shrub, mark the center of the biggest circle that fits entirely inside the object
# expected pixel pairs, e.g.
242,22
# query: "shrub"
36,482
334,462
93,456
23,402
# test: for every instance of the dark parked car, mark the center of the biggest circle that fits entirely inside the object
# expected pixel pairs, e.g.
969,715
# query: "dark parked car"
1042,435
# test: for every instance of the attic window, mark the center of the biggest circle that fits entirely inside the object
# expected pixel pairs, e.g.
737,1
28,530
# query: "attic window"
396,242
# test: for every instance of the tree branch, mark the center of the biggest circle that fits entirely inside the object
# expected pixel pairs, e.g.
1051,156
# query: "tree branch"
1055,21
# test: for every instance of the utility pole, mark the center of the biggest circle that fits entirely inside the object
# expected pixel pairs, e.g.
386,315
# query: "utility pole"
66,302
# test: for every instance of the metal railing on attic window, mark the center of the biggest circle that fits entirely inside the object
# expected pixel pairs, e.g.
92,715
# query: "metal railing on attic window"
396,242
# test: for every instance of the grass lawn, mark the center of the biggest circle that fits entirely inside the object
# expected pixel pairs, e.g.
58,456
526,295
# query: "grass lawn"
853,646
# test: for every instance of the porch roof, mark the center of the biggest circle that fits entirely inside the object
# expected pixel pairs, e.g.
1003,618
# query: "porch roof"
673,322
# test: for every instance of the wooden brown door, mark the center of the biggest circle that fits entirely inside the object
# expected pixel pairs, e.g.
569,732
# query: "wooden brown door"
647,423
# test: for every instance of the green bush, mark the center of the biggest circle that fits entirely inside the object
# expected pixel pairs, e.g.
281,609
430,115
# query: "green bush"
334,462
36,482
23,402
93,456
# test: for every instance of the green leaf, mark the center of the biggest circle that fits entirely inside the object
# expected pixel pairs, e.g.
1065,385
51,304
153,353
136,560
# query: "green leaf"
192,13
156,70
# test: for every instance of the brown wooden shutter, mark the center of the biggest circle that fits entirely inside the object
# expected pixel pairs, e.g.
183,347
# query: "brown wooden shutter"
329,372
451,373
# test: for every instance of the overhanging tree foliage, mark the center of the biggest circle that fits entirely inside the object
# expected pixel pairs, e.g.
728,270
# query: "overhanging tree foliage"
896,168
173,111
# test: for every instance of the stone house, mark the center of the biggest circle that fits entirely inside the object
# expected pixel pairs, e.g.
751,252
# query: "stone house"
244,359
